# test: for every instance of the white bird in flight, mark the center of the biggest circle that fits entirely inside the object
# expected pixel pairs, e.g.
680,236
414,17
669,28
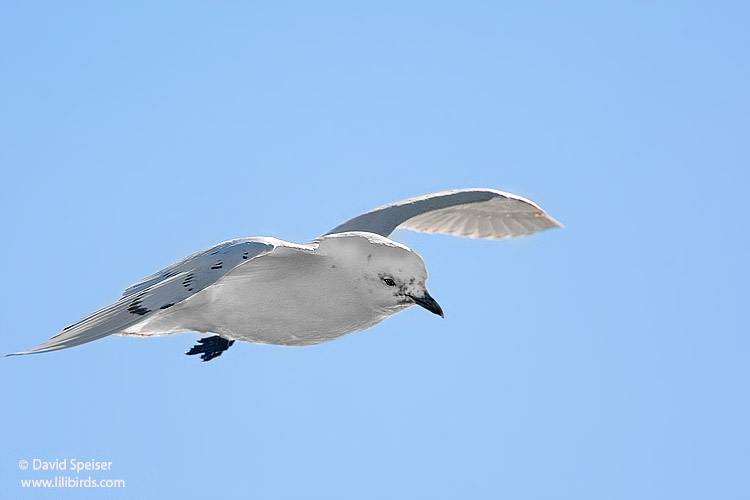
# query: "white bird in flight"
270,291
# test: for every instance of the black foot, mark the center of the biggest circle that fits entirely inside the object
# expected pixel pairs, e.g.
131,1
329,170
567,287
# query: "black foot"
211,347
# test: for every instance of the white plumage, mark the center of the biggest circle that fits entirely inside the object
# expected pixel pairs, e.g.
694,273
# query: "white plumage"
271,291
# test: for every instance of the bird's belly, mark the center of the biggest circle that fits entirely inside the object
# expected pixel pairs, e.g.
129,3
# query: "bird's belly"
279,311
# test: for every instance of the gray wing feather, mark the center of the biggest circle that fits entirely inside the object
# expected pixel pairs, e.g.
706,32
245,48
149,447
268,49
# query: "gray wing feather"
161,290
473,213
236,249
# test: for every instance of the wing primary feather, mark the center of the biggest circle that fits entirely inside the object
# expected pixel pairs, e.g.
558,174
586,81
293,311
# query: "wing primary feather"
473,213
159,291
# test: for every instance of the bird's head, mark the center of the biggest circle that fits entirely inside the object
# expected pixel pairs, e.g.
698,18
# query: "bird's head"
391,274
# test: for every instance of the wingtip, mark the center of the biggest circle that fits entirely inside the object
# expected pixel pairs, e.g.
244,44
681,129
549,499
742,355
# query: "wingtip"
34,350
554,222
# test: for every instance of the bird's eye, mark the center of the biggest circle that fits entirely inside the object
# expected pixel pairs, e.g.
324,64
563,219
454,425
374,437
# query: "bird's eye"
389,282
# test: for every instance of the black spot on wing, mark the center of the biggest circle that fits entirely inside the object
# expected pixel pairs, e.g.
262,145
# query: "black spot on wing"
166,306
137,308
188,282
244,255
72,326
218,265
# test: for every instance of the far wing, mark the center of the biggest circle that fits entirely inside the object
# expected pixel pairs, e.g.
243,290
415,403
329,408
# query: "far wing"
159,291
473,213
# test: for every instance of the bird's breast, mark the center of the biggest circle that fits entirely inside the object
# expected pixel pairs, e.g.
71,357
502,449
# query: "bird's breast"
288,298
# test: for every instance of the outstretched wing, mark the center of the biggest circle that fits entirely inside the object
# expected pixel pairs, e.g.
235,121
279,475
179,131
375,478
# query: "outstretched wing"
159,291
474,213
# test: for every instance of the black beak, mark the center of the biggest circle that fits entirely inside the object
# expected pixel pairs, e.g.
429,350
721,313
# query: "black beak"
428,303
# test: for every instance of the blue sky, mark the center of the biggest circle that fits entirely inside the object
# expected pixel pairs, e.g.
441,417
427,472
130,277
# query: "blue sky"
607,360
